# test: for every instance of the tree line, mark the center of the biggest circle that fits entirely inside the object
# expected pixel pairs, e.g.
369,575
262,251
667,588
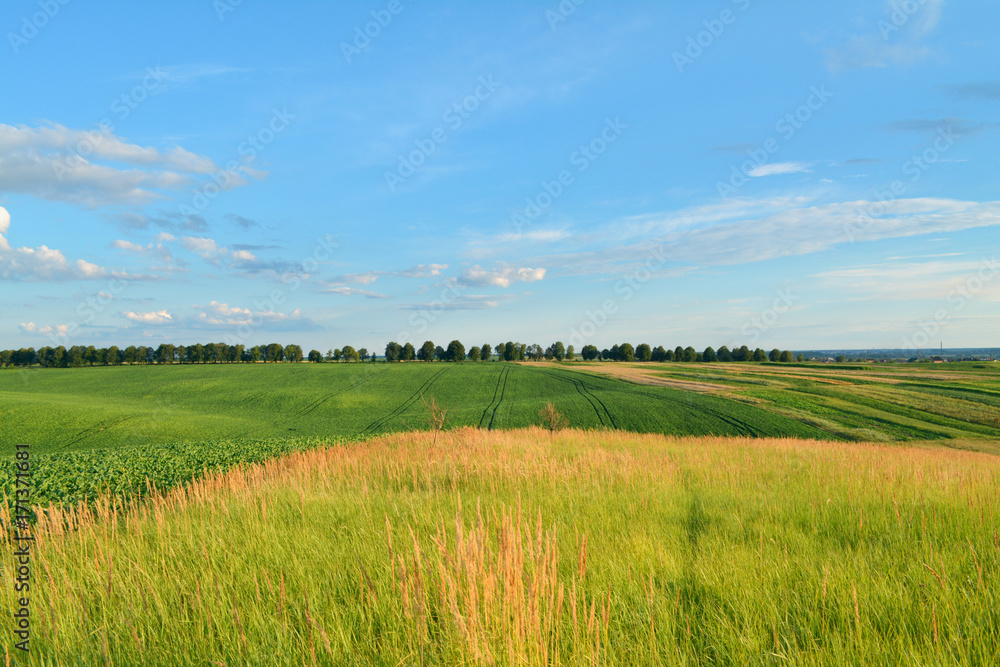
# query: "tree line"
222,353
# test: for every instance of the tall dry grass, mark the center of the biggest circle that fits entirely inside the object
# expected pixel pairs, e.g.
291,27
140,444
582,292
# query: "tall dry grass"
532,548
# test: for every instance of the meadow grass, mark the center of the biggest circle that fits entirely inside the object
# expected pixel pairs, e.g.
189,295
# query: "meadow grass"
527,547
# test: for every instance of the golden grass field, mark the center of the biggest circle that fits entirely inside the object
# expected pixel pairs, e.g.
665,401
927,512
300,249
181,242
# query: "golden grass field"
529,548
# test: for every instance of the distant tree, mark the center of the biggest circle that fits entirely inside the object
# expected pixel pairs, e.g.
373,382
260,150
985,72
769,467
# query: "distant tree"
455,351
74,356
626,352
520,350
165,354
535,352
724,354
589,352
329,355
6,357
439,353
509,351
238,353
786,356
549,353
128,355
256,354
112,356
212,353
690,354
57,358
606,354
426,351
759,355
315,356
486,351
363,353
658,353
708,355
337,354
474,353
274,353
90,355
408,353
559,350
800,357
774,355
349,354
841,358
570,353
643,352
392,351
678,353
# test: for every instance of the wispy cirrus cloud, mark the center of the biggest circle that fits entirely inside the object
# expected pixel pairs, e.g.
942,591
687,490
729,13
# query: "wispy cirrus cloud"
776,168
896,38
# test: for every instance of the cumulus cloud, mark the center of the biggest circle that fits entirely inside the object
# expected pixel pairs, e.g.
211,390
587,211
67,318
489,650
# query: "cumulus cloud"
501,277
30,327
93,168
41,263
157,317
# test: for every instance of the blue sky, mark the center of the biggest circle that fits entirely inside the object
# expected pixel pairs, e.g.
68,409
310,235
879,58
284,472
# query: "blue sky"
794,175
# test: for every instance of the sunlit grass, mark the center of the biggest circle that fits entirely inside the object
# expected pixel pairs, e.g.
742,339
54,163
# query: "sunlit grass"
525,547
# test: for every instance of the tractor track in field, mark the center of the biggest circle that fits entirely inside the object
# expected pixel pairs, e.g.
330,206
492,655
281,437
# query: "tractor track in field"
402,407
590,397
97,428
320,401
500,389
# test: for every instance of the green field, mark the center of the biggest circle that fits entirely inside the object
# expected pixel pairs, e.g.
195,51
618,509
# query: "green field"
63,410
124,429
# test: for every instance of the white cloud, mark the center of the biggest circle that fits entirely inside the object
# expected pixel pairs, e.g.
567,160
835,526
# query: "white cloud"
157,317
744,231
353,291
243,256
501,277
205,248
41,263
128,245
94,168
423,271
222,314
30,327
778,168
919,281
366,278
537,235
